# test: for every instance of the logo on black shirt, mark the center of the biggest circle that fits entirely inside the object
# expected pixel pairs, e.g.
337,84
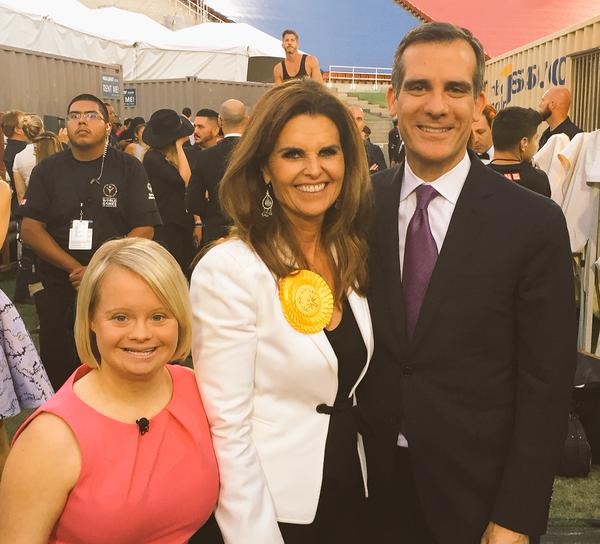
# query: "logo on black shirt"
109,200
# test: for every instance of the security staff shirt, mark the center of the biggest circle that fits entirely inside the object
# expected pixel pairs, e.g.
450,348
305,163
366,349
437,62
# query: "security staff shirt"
63,189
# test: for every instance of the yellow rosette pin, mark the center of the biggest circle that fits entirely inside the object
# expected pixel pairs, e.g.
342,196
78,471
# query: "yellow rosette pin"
306,301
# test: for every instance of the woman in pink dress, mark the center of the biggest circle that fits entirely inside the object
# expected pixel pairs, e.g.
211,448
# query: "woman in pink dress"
122,453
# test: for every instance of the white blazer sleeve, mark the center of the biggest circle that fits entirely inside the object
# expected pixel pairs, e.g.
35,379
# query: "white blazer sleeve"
224,348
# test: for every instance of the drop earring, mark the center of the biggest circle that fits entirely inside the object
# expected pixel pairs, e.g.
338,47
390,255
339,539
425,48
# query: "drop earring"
267,203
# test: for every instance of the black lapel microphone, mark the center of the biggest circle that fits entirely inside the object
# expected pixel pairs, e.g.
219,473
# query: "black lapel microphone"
143,425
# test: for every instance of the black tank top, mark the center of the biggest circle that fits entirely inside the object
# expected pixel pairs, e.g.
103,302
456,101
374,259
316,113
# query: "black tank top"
301,73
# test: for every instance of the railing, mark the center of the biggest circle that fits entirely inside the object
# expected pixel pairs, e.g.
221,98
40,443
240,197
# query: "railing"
586,94
359,75
198,10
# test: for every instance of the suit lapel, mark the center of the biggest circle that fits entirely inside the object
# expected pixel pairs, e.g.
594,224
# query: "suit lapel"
387,243
463,231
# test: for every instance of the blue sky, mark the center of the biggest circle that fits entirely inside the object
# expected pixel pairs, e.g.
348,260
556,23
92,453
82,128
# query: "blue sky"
340,32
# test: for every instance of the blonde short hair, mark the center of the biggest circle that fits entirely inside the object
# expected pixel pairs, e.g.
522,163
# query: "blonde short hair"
156,266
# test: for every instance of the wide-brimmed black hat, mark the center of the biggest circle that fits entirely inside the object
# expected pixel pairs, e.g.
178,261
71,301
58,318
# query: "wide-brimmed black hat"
165,127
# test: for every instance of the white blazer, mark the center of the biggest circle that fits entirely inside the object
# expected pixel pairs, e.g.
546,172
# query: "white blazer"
261,381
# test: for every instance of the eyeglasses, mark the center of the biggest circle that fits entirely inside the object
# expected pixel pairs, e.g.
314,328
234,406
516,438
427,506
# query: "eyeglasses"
87,115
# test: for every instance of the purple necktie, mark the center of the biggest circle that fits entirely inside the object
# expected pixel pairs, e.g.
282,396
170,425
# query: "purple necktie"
420,255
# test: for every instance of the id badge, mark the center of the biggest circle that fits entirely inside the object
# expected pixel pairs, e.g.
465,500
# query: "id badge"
80,234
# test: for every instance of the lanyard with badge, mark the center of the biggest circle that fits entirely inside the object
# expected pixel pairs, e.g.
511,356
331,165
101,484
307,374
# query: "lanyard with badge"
81,231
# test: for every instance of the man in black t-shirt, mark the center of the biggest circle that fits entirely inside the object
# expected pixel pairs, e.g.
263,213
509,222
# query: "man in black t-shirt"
554,109
514,133
76,200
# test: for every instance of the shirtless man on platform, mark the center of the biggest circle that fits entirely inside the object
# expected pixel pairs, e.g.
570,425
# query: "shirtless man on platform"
295,65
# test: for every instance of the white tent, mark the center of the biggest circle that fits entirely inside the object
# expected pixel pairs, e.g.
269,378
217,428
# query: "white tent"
144,48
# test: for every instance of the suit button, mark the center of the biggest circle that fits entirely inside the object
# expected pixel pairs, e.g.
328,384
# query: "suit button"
407,370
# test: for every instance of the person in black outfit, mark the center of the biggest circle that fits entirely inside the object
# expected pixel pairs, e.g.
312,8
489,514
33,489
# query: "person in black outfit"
202,195
514,132
12,126
375,156
76,200
169,173
295,65
114,123
394,144
554,109
481,134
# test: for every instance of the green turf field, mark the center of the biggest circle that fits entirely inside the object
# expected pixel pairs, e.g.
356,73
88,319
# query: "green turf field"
378,99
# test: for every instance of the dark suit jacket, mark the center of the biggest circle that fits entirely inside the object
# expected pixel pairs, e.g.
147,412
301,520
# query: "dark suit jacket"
202,196
375,155
483,388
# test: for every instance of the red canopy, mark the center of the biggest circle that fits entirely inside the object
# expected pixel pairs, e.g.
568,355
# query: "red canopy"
507,24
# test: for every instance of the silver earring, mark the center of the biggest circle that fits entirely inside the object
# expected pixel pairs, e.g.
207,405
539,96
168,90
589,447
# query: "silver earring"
267,203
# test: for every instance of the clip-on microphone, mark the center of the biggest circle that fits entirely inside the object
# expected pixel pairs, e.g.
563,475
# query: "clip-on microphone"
143,425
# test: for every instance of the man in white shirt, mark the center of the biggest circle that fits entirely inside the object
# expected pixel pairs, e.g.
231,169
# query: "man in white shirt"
473,312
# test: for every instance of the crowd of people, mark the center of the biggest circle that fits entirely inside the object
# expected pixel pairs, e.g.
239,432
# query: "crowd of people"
380,354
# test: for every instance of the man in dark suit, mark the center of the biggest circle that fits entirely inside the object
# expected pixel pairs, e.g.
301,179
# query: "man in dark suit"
202,196
467,395
375,157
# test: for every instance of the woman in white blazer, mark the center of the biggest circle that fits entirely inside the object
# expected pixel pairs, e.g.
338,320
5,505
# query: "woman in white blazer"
282,333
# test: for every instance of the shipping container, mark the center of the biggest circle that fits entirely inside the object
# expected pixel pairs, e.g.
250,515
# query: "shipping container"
45,84
144,97
568,58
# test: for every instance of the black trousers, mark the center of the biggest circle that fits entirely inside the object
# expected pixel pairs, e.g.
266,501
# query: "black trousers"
55,306
342,517
398,513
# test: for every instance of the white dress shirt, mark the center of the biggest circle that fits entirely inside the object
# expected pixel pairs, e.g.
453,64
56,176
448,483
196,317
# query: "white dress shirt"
440,209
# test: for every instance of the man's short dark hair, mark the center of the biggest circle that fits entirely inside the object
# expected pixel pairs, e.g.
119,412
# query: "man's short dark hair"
90,98
288,31
512,124
186,111
207,112
436,33
10,122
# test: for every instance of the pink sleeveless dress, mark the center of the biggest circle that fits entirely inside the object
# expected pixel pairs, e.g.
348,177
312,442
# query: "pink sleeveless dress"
155,488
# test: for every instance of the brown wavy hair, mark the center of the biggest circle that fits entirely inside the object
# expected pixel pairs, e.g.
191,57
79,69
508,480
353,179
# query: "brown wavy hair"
46,144
346,224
